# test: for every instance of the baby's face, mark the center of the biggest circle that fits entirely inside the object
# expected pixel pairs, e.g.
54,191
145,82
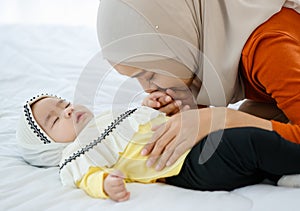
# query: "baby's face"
61,120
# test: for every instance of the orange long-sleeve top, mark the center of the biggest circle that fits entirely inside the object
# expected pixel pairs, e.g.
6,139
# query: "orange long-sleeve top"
271,69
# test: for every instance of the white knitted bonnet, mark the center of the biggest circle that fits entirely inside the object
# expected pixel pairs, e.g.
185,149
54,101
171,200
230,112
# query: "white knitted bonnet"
35,146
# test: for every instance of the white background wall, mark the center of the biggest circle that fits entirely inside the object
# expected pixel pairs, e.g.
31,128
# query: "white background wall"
64,12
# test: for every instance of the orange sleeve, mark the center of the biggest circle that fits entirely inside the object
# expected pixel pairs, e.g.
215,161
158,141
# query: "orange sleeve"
288,131
276,71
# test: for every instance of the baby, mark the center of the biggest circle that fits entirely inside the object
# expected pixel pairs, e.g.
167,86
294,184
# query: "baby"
96,153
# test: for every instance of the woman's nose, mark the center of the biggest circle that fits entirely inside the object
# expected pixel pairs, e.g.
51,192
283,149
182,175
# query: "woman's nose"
67,112
148,82
151,87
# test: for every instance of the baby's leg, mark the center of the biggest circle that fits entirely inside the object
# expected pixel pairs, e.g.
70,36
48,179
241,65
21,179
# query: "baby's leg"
241,157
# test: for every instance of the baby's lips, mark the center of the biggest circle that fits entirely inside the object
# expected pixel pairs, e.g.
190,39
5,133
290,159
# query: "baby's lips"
79,115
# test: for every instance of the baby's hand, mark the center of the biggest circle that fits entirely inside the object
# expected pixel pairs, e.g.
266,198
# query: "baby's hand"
163,102
157,99
114,187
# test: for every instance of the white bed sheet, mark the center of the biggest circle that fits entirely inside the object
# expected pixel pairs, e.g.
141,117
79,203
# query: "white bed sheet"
36,59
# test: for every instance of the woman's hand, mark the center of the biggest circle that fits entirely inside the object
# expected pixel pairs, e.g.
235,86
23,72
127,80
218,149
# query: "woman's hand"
183,130
174,138
114,187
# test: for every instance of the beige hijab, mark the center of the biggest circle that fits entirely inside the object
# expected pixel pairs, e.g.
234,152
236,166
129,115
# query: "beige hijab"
185,39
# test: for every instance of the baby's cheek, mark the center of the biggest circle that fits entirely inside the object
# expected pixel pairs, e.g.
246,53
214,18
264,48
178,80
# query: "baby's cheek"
66,134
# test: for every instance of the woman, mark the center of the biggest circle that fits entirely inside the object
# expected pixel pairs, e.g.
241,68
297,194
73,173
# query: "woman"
208,53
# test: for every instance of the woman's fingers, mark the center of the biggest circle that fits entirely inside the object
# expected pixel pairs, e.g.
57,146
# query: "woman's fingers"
150,145
156,127
173,139
155,147
164,158
179,150
161,138
147,148
176,147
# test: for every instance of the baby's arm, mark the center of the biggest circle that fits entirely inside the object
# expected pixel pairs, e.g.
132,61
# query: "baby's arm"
98,183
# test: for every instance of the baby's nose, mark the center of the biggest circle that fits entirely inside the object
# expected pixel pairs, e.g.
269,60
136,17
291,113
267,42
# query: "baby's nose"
68,111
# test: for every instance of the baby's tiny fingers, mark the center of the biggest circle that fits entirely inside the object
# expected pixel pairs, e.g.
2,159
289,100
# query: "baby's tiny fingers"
125,198
166,99
171,108
151,103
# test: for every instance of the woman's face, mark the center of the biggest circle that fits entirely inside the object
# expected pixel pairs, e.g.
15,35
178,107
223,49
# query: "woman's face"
152,81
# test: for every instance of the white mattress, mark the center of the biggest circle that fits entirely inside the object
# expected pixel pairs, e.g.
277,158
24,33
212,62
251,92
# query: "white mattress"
36,59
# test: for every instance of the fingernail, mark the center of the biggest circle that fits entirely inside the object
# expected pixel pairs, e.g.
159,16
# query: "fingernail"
169,90
149,163
144,152
168,99
185,108
158,167
168,163
178,103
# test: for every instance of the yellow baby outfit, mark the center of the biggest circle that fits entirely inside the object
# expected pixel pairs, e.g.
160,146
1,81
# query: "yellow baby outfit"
112,141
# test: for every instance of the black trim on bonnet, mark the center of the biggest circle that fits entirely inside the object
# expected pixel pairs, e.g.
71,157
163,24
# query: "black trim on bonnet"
34,127
30,120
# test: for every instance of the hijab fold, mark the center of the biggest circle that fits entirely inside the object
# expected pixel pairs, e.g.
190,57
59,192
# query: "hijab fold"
185,38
